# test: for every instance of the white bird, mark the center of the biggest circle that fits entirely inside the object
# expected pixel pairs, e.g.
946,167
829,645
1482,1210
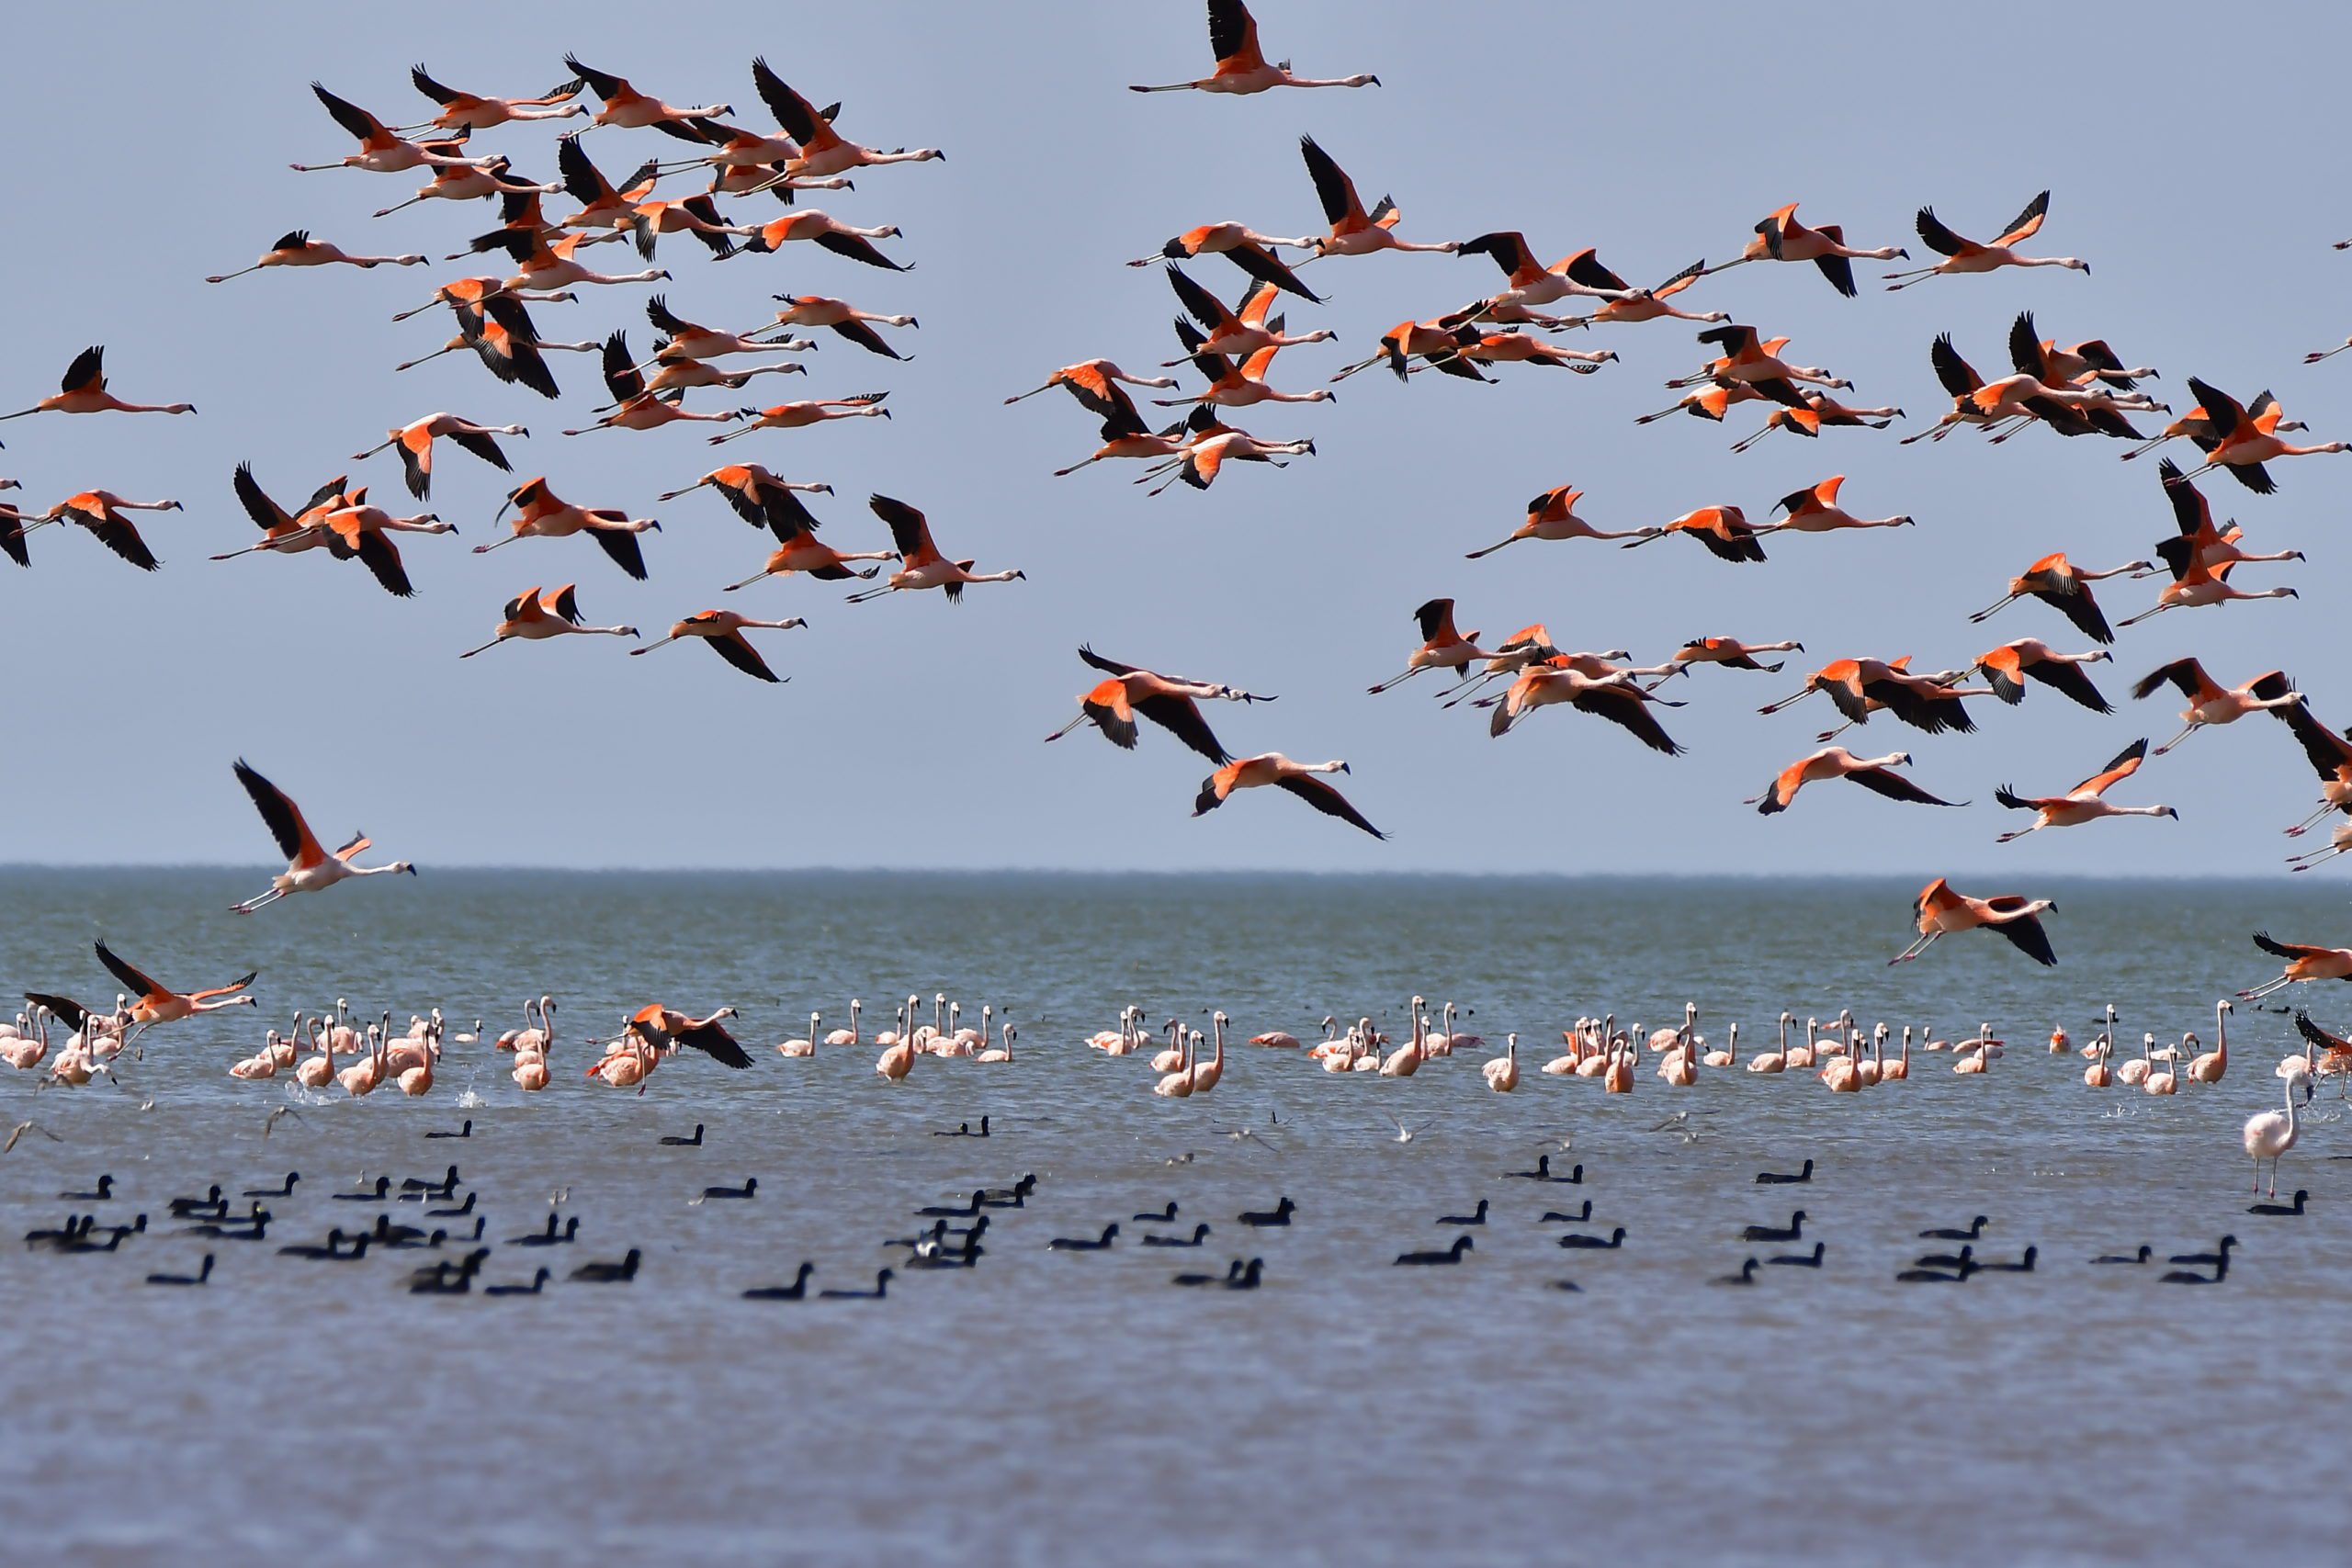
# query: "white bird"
2272,1133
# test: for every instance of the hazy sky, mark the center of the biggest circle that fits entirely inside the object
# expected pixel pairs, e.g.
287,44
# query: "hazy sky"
908,735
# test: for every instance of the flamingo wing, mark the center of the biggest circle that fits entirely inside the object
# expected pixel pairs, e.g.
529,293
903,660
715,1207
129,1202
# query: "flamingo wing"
1233,38
2025,933
2024,225
1938,238
1959,377
138,983
1621,706
1895,786
733,649
1180,717
2068,677
2126,763
621,545
382,557
713,1041
910,531
87,373
284,819
1328,801
1332,186
352,118
2186,675
267,513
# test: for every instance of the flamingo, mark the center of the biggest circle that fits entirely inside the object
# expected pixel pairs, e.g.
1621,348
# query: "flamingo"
723,631
533,616
1723,530
1178,1085
1236,334
2075,366
1939,909
381,152
1240,68
2243,441
807,412
2272,1133
922,565
2209,703
2007,669
807,1046
659,1028
2084,803
828,232
83,390
1814,509
898,1058
842,317
1501,1073
1294,778
2212,1065
1777,1059
296,248
625,106
1243,246
1873,773
1552,516
1901,1066
822,150
1725,1055
541,513
2066,588
1173,702
1963,254
157,1003
1779,236
472,111
1003,1053
2303,963
844,1036
1406,1060
309,867
101,512
362,1076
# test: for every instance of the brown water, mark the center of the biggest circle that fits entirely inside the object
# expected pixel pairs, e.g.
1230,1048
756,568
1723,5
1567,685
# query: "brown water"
1075,1408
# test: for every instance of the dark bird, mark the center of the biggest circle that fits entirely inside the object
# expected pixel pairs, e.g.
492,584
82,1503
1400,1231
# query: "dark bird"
2185,1277
881,1284
1793,1231
105,1191
674,1141
375,1194
2022,1266
1452,1253
2294,1208
1562,1217
1279,1215
285,1191
1233,1272
539,1278
549,1236
202,1274
1476,1218
609,1273
1159,1216
1080,1244
1965,1258
1946,1233
1610,1243
1747,1275
465,1132
2144,1253
1802,1259
1782,1178
1200,1233
750,1188
2220,1254
795,1291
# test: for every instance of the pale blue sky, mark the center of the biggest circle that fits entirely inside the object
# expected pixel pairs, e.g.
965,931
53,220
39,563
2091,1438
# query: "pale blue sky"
908,735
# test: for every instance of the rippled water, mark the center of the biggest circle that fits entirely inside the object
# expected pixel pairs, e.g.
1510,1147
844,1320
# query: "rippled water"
1052,1408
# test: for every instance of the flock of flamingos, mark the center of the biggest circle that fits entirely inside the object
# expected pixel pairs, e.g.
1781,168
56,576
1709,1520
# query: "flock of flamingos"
2079,390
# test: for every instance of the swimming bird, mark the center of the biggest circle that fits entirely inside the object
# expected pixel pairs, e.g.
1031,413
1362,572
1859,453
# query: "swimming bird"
1452,1253
1200,1233
2185,1277
1083,1244
1947,1233
881,1286
1747,1275
610,1273
1279,1215
749,1190
1476,1217
1803,1259
1582,1215
203,1273
2220,1254
1793,1231
551,1236
1576,1240
2143,1256
675,1140
2294,1208
795,1291
1782,1179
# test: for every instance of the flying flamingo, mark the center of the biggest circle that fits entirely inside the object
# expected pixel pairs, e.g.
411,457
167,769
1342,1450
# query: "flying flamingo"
541,513
921,566
381,152
723,630
823,151
1243,246
473,112
542,266
2086,802
1235,385
2066,588
800,416
1198,459
661,1028
101,512
2196,585
2242,443
1441,648
625,106
1728,652
1530,283
2303,963
415,442
2331,757
633,407
533,616
1553,516
1859,687
1296,778
1873,773
829,233
2209,703
800,550
309,867
1355,231
1780,237
1819,412
1173,703
755,493
1124,434
1616,697
1966,255
840,316
2010,666
1723,530
1941,912
1231,333
2197,542
296,248
83,390
1240,68
1814,509
155,1003
2075,366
